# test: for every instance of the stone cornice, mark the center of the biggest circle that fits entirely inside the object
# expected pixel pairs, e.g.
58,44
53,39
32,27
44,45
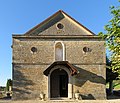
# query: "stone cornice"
58,37
51,63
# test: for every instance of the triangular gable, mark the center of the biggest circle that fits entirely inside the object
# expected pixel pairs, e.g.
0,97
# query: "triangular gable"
49,26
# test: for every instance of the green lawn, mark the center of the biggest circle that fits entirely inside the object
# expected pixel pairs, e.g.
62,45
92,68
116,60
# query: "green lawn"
116,84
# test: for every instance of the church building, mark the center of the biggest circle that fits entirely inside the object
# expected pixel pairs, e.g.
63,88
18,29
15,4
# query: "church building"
59,58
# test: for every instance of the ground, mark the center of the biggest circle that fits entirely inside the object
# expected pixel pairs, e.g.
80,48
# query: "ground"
81,101
111,99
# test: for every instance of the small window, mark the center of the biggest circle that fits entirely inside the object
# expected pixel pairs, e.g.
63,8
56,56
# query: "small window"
60,26
34,49
59,49
86,49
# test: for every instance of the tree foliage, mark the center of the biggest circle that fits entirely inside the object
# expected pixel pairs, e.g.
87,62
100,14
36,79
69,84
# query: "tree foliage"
9,83
110,75
112,37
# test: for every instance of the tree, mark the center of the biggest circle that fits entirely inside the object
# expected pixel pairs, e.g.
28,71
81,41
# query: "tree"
9,83
110,75
112,37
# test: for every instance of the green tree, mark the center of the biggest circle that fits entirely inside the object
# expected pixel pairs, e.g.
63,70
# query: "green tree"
9,83
112,37
110,75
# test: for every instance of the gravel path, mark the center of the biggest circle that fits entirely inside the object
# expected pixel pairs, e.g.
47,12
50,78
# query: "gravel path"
58,101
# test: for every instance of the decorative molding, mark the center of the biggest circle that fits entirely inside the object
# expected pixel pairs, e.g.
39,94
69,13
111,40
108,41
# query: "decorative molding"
52,62
88,37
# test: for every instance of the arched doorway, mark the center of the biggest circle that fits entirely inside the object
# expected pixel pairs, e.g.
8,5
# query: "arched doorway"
59,83
60,72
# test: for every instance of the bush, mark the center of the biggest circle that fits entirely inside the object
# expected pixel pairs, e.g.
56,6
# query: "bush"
1,95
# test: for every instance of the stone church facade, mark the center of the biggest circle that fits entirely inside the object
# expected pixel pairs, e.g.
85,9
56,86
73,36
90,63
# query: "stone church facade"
58,57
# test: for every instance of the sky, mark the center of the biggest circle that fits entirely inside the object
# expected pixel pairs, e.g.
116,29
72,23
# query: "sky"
19,16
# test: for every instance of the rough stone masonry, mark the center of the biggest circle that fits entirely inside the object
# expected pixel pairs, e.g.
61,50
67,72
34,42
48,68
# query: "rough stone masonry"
58,58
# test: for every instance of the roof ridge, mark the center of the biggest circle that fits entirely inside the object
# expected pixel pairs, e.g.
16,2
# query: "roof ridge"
59,11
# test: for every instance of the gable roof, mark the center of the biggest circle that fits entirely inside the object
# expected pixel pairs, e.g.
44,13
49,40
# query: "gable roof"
59,15
71,68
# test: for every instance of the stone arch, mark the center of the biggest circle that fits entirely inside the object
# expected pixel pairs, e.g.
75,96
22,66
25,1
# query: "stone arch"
69,85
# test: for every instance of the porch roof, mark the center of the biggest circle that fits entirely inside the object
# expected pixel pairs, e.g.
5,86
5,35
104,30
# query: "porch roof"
72,69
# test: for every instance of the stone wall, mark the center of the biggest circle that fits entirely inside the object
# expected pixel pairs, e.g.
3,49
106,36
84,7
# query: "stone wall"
28,67
90,81
29,81
46,51
70,28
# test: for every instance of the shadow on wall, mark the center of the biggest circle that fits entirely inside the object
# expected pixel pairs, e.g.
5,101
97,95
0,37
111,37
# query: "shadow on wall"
82,77
87,97
85,75
20,84
49,24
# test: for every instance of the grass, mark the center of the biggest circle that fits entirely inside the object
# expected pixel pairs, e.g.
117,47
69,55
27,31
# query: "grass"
116,84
